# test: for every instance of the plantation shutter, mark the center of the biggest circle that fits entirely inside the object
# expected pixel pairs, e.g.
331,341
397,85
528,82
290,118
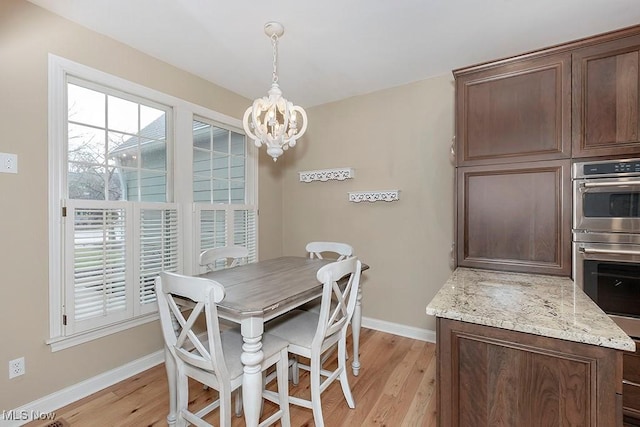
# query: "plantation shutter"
213,228
244,231
158,250
96,273
222,225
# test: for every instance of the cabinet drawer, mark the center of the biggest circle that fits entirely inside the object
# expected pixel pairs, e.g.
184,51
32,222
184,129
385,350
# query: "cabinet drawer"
631,396
631,365
632,368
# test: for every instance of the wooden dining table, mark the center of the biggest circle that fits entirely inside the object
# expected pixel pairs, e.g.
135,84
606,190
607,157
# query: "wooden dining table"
254,294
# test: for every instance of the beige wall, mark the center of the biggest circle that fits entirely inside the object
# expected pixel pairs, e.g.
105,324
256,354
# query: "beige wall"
27,34
395,139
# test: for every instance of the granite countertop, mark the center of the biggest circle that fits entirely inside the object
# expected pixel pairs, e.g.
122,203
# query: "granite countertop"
549,306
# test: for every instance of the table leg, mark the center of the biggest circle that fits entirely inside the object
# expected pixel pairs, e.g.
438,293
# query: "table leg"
252,356
356,323
170,365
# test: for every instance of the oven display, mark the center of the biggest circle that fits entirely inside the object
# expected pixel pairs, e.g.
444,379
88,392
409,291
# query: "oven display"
591,169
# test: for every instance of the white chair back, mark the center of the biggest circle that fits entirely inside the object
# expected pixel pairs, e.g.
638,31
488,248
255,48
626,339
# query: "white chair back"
341,280
182,341
343,250
231,255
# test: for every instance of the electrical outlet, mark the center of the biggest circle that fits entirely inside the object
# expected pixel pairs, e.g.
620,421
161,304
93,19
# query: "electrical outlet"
16,367
8,163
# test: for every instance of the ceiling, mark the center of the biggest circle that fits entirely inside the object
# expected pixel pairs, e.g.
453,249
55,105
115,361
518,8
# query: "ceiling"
334,49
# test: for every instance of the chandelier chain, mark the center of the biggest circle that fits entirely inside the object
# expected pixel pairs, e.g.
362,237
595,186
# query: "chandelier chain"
274,42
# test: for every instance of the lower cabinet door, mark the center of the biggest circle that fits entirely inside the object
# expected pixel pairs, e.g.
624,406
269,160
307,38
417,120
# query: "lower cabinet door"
515,217
631,387
494,377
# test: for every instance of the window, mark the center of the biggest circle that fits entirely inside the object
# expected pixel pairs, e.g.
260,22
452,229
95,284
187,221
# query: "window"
116,220
223,203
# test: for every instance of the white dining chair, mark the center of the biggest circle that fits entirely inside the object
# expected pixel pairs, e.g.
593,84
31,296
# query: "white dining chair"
223,257
334,250
338,250
214,359
311,335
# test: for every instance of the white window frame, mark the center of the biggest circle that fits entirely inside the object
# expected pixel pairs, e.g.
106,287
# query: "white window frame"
181,168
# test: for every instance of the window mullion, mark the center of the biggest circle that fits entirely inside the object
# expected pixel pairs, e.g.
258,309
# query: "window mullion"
229,167
230,224
133,276
105,162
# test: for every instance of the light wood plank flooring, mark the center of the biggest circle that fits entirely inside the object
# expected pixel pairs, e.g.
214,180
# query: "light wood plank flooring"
396,387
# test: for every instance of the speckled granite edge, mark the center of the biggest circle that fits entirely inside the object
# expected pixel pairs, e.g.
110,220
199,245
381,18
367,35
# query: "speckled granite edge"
542,305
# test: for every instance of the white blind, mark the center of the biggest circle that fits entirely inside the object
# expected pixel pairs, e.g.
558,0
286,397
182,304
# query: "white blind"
118,248
158,248
213,227
221,225
96,273
244,231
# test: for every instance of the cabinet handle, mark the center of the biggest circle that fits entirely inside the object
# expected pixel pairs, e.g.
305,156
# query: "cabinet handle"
452,256
608,251
627,382
609,184
452,150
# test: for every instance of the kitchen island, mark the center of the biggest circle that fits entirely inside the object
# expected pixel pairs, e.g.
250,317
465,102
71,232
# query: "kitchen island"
519,349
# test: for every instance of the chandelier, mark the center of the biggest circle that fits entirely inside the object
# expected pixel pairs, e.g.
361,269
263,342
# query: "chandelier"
272,120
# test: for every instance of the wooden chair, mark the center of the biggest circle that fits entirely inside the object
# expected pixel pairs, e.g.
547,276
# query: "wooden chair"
311,335
214,361
231,255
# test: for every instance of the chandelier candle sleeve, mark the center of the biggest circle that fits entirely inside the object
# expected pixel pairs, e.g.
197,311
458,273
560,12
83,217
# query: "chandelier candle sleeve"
272,120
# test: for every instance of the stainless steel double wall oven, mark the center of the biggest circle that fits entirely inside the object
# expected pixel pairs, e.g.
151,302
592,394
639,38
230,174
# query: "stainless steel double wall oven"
606,237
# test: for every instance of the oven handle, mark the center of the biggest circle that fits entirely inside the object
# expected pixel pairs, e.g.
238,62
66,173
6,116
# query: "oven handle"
608,251
609,184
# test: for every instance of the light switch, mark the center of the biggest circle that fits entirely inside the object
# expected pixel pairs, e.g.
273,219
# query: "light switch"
8,163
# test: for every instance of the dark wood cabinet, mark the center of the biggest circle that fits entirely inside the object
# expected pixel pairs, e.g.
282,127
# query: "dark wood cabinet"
515,217
575,100
606,98
519,111
490,377
631,386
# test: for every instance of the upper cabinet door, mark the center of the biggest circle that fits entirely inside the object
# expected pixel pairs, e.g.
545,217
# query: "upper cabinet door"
518,111
606,99
515,217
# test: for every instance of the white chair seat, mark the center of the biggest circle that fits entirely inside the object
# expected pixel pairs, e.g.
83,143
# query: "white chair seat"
298,326
232,344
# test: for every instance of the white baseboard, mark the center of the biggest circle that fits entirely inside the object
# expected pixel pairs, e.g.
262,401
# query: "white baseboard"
398,329
47,405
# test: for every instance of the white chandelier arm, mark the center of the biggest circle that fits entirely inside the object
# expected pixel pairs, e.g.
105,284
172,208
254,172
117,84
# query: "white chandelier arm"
247,128
303,114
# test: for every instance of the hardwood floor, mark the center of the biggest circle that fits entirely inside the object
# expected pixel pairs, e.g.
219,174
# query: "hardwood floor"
396,387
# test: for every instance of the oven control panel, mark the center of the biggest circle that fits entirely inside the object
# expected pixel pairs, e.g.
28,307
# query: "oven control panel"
606,168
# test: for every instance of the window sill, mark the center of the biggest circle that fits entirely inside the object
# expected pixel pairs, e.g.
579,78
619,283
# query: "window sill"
61,343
